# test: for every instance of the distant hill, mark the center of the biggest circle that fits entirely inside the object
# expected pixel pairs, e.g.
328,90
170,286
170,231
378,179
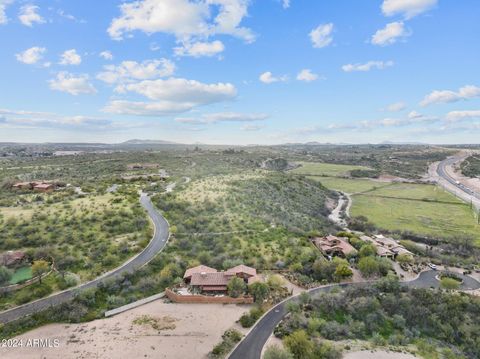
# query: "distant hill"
148,142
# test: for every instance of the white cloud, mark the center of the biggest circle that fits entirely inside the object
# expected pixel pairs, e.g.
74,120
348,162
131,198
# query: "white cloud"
28,15
396,107
3,8
286,4
322,35
407,8
390,34
173,95
199,49
72,84
223,117
268,78
455,116
447,96
70,57
106,55
32,55
307,75
129,71
183,18
380,65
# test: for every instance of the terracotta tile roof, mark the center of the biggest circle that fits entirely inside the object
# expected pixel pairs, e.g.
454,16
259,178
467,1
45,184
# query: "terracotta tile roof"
202,279
243,269
198,269
332,244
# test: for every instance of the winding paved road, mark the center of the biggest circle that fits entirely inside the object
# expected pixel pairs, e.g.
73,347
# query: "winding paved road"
443,173
157,243
251,346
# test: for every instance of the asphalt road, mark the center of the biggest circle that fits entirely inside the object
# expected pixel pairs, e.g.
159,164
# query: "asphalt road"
442,172
157,243
251,346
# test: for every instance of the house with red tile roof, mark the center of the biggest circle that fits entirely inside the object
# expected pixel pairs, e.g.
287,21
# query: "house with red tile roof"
206,279
334,246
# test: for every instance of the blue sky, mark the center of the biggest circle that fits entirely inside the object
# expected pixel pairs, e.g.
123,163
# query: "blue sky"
239,71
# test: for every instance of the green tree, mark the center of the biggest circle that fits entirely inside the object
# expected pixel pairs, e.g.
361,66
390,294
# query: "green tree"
299,344
236,287
367,250
275,352
275,281
39,268
343,271
404,258
368,266
449,283
260,291
5,275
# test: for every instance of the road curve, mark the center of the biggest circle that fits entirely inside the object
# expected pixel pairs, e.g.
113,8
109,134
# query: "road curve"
157,243
251,346
443,173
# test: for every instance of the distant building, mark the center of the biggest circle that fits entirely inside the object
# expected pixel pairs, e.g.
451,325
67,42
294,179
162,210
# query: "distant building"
37,186
386,246
142,166
12,258
334,246
206,279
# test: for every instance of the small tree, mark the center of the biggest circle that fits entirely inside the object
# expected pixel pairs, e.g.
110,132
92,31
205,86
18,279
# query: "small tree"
5,275
260,291
275,352
236,287
39,268
449,283
367,250
343,271
404,258
299,344
368,266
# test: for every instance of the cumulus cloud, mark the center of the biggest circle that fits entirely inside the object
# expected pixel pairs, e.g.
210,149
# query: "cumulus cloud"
379,65
321,36
390,34
447,96
286,4
307,75
455,116
222,117
106,55
70,57
173,95
199,49
396,107
28,15
3,7
31,56
72,84
129,71
185,19
268,78
407,8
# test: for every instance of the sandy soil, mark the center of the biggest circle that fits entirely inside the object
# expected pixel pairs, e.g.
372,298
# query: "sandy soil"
377,354
167,330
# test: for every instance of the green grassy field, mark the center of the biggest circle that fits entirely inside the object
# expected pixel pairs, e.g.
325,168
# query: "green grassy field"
21,274
422,209
325,169
349,185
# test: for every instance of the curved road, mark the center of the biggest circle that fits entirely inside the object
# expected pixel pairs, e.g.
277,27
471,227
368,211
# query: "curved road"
157,243
443,173
251,346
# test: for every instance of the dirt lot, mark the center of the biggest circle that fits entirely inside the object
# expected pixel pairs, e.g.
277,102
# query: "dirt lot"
155,330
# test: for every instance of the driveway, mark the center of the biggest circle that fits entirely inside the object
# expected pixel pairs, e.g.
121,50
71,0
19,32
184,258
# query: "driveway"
251,346
157,243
